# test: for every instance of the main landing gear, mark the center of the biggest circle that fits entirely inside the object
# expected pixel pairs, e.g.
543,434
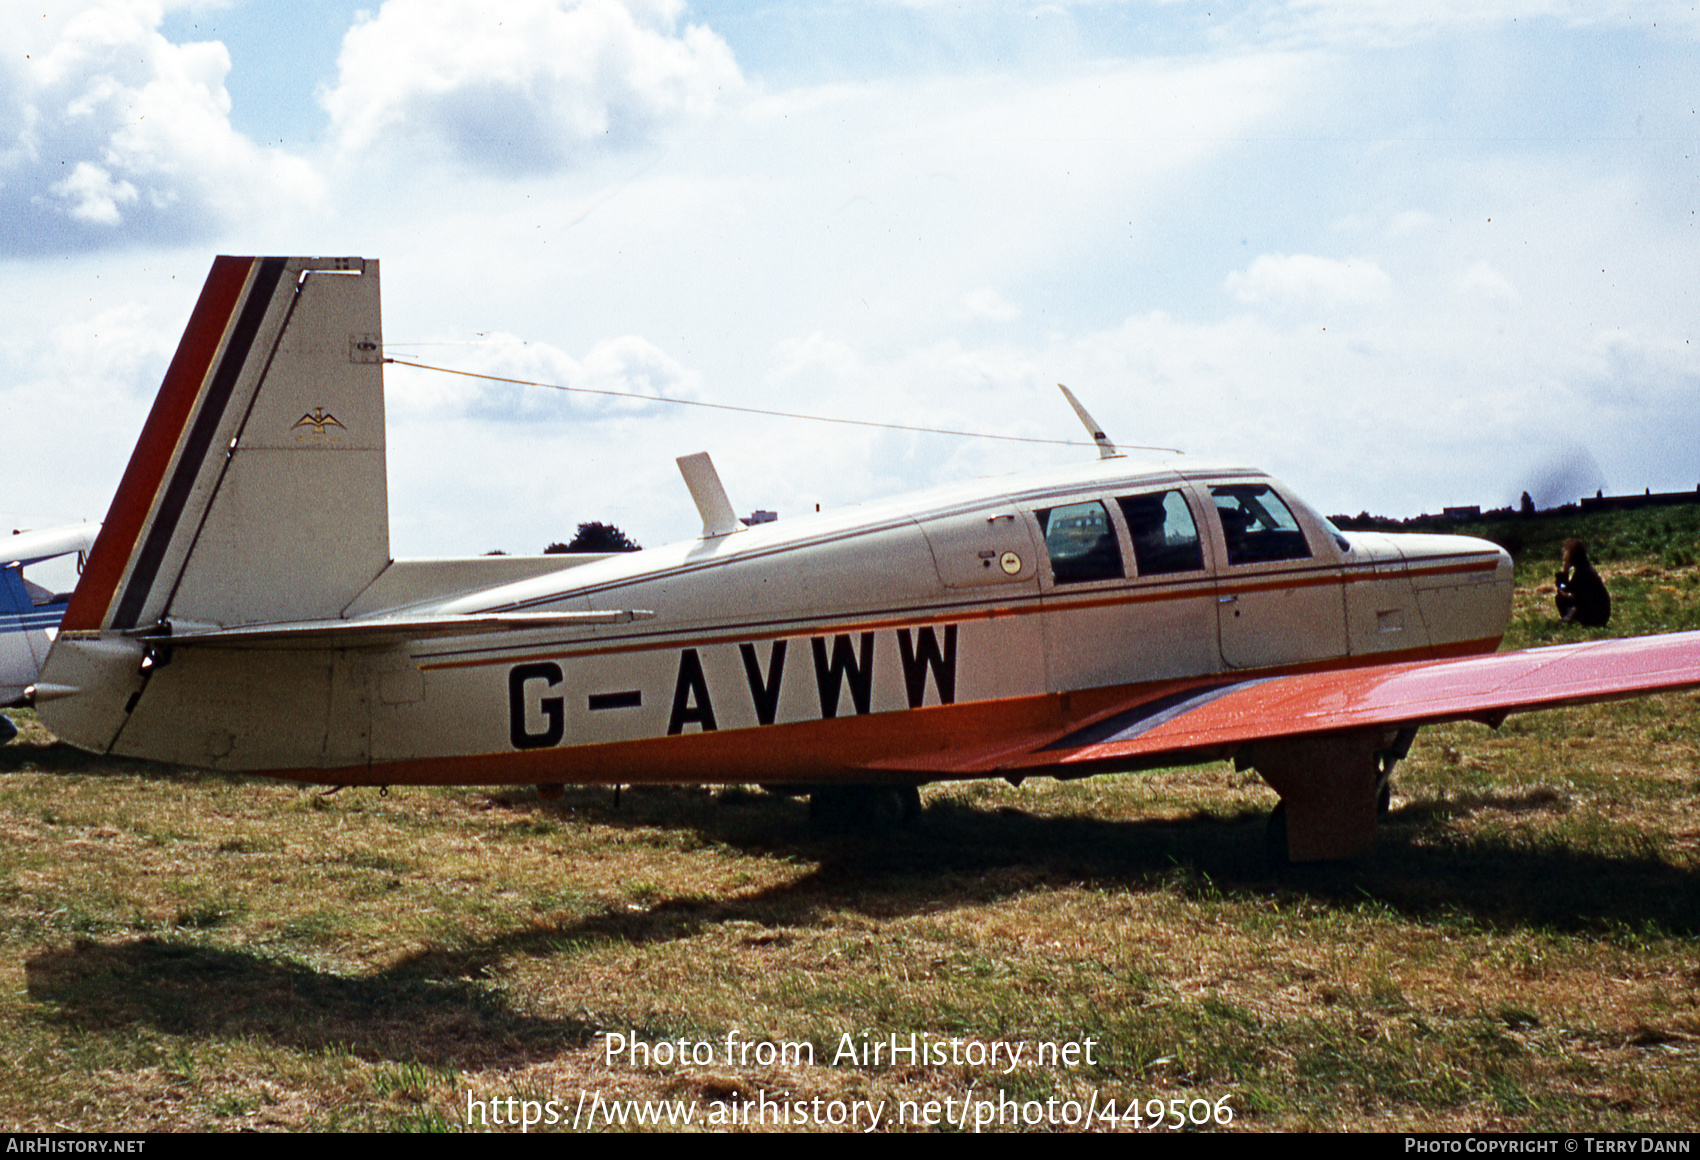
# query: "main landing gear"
841,808
1333,789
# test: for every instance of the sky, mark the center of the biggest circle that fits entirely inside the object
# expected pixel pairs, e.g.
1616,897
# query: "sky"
1400,255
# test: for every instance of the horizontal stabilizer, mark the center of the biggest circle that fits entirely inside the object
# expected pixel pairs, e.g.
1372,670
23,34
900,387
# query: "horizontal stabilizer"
376,632
30,547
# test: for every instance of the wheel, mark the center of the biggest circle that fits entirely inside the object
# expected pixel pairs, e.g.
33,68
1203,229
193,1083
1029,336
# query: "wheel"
1275,837
826,809
1385,761
864,807
911,796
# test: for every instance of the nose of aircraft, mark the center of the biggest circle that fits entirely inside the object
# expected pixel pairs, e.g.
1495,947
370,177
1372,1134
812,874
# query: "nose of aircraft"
1463,586
1425,549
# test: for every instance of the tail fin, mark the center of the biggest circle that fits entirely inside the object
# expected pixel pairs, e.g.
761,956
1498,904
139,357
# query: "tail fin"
258,489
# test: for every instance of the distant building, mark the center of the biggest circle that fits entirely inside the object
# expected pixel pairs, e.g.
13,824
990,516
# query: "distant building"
1473,512
760,517
1606,503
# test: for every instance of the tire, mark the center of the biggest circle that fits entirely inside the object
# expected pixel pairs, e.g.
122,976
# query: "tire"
1275,838
866,808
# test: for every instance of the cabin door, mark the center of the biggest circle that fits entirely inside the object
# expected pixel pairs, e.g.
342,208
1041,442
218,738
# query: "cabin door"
1277,602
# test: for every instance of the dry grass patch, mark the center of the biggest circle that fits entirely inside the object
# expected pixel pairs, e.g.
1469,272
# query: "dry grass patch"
191,952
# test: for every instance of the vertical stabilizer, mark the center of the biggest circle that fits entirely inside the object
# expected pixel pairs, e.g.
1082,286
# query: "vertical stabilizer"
256,494
257,491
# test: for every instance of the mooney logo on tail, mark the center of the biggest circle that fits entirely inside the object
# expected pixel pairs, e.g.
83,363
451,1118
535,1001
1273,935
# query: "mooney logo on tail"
318,419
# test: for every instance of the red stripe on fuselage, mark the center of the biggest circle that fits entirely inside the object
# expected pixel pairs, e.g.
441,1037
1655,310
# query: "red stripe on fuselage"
160,436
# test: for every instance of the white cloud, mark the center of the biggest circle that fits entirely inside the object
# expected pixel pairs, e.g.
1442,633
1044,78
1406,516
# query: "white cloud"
1382,23
627,365
77,392
1411,221
989,304
1483,281
941,247
1306,279
93,196
524,86
111,132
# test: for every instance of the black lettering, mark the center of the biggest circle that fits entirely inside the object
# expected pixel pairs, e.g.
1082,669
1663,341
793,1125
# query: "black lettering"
765,693
925,654
690,696
830,676
553,708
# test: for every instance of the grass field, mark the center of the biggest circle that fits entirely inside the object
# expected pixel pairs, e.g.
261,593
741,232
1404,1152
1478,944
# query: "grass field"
186,951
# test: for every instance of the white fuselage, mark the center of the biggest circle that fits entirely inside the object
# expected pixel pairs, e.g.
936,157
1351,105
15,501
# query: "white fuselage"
990,598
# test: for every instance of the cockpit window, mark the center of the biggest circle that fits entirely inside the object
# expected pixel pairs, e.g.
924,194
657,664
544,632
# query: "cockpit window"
1340,539
1165,538
1081,543
1257,526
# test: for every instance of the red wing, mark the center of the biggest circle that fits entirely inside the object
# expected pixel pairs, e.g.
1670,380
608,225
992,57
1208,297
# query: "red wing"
1211,718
